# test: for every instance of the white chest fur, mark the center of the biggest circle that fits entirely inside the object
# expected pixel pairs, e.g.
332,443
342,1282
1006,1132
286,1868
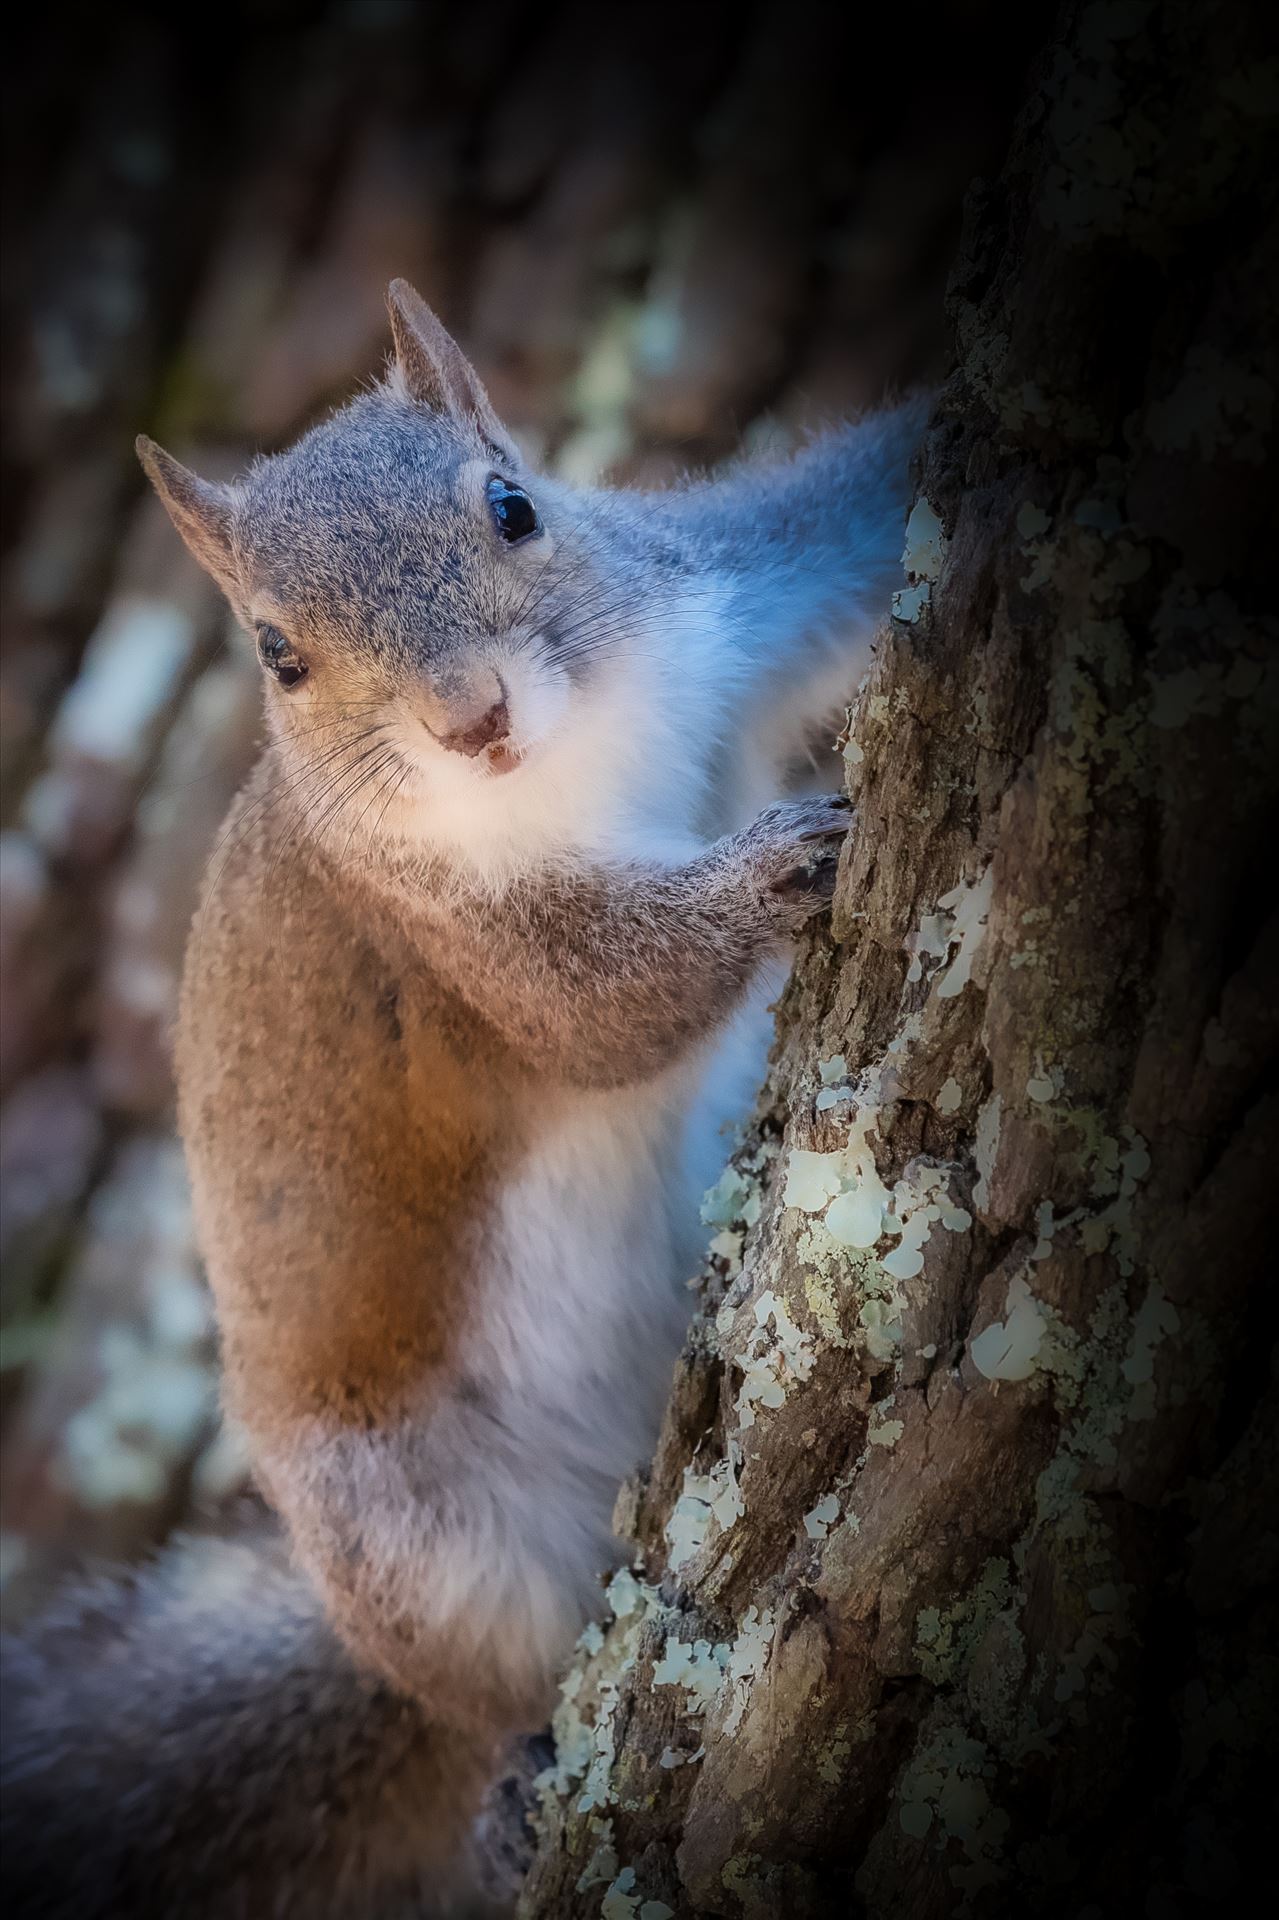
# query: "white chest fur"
582,1307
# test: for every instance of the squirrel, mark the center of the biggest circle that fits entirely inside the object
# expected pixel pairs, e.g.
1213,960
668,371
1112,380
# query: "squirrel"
458,985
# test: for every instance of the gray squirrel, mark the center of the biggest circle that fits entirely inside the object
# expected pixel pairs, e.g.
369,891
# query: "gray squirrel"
479,959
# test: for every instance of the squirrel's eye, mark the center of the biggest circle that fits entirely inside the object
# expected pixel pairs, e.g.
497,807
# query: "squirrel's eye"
279,658
514,514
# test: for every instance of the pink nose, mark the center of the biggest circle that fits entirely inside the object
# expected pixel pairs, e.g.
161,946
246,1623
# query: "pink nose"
493,727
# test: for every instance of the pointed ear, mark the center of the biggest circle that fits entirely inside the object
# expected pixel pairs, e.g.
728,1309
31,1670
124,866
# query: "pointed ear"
199,509
436,372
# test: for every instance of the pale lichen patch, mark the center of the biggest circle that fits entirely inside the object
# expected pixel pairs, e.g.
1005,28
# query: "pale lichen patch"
886,1433
747,1658
719,1674
698,1667
819,1520
1217,406
1044,1083
943,1794
930,941
969,906
1155,1319
926,542
955,933
1117,1169
812,1179
833,1757
910,602
950,1096
772,1362
602,1865
706,1497
859,1210
584,1750
1007,1349
946,1637
621,1902
828,1275
986,1148
734,1198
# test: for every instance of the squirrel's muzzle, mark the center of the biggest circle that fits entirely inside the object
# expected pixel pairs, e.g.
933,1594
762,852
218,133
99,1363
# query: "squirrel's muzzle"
470,714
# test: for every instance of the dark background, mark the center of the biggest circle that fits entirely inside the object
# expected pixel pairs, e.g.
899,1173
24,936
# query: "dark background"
660,232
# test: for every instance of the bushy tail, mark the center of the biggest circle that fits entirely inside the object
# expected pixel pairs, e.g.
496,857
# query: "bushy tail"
805,554
194,1741
800,543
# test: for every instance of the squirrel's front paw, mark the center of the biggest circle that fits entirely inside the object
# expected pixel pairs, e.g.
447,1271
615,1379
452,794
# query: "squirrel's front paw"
793,850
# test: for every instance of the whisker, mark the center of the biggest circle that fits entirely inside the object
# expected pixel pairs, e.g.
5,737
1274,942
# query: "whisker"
307,835
396,760
244,822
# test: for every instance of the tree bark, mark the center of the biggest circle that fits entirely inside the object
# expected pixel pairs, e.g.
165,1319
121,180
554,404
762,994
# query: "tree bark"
952,1568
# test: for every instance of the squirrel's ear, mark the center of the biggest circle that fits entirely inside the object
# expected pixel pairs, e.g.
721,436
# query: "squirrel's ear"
199,509
434,369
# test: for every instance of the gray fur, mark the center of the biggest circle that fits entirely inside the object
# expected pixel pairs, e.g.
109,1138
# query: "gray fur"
447,1005
124,1795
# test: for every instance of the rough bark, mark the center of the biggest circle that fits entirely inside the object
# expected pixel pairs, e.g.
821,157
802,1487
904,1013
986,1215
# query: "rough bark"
951,1570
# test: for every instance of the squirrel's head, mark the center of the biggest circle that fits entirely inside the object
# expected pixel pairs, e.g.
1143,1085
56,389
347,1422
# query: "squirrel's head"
426,611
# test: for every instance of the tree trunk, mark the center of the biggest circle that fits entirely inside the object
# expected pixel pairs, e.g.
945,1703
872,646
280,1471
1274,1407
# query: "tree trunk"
950,1574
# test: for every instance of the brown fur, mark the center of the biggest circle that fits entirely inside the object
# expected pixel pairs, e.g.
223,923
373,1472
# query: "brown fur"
433,1049
341,1129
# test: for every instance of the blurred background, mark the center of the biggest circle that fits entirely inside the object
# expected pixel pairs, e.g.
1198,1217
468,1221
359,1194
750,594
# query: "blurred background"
661,232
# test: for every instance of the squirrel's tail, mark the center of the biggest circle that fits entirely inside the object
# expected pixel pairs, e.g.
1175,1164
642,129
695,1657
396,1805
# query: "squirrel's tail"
194,1740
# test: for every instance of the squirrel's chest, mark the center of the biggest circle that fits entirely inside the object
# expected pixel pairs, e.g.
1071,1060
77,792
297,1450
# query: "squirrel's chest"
580,1316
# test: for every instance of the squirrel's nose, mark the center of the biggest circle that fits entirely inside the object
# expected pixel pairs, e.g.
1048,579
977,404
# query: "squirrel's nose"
465,709
491,728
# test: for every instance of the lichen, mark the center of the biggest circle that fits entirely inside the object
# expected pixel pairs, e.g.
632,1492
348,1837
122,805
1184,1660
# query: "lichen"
747,1658
943,1795
698,1666
949,1097
777,1356
959,924
584,1750
622,1903
926,542
718,1674
1007,1349
705,1498
734,1198
602,1865
885,1433
819,1520
946,1637
910,602
1217,406
969,907
858,1210
986,1149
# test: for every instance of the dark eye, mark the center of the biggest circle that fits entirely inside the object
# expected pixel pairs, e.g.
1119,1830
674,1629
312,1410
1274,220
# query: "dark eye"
279,658
514,514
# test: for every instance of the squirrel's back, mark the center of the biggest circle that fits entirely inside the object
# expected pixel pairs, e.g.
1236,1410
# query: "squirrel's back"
167,1735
